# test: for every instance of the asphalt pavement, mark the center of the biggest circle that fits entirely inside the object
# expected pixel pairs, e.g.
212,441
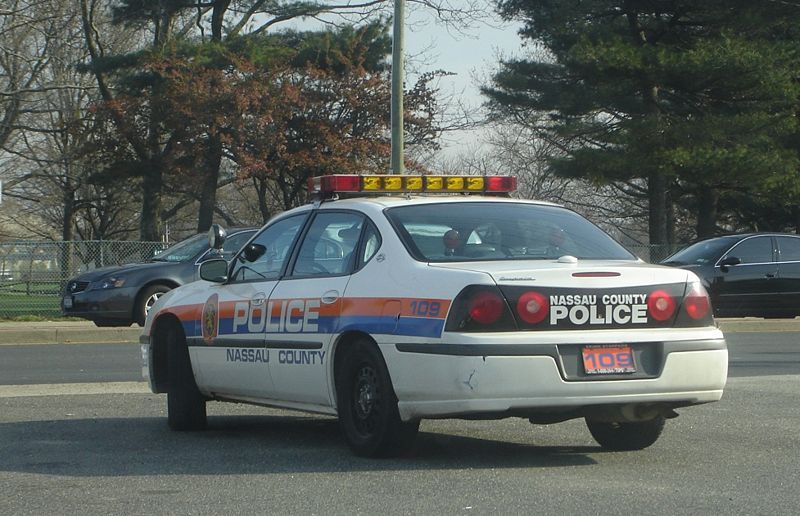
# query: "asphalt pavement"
85,332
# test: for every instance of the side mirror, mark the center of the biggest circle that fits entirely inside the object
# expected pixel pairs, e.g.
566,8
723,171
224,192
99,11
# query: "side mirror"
253,252
215,270
216,236
729,261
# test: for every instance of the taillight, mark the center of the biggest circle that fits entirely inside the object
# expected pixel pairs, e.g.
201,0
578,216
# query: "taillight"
696,303
533,307
480,308
660,305
486,307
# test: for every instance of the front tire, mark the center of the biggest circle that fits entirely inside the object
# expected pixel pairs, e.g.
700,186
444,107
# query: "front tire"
626,436
186,406
367,404
146,299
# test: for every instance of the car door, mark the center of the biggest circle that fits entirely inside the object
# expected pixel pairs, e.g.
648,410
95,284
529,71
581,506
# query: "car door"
748,288
789,274
305,308
234,360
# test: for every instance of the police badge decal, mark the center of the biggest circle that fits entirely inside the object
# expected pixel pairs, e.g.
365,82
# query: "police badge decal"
210,320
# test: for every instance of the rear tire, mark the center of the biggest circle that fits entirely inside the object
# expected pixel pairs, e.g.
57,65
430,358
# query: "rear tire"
367,404
626,436
186,406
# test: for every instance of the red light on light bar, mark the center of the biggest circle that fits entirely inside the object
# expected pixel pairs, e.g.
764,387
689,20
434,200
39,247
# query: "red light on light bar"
340,183
501,183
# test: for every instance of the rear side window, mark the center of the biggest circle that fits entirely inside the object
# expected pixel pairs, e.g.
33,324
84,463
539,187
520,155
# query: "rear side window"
790,249
474,231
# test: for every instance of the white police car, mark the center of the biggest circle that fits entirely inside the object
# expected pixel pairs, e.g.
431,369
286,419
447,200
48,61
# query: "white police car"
387,309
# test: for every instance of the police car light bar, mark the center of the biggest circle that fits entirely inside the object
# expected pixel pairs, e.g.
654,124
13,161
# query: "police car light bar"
348,183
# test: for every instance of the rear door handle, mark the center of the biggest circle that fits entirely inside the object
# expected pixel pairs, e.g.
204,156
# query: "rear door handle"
770,275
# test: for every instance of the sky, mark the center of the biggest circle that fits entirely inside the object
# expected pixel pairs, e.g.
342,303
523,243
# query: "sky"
472,57
471,54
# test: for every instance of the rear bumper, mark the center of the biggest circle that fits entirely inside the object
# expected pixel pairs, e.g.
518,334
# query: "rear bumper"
438,385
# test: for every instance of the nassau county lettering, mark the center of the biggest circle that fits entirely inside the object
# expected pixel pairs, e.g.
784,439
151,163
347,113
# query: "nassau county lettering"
612,309
288,316
300,357
250,356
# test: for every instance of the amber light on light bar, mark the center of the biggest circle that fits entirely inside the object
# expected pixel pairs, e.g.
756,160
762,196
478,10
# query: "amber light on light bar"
411,184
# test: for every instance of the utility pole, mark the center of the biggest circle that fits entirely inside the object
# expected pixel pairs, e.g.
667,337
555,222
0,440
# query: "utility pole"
398,42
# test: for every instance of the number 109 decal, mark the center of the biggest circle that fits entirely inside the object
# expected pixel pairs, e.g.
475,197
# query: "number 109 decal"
614,359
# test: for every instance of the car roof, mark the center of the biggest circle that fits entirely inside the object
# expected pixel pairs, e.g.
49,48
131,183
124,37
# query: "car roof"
741,236
388,201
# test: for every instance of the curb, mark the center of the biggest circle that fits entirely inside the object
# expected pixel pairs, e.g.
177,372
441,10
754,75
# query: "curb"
41,333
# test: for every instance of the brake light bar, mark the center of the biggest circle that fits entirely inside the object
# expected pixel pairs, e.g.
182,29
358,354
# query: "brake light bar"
349,183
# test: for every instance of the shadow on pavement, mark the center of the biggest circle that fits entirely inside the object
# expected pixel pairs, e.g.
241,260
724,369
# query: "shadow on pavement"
243,445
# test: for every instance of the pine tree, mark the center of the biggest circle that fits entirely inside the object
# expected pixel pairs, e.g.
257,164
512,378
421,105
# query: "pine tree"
698,100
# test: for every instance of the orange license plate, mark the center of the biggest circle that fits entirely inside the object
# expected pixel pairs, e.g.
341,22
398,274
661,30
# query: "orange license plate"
608,359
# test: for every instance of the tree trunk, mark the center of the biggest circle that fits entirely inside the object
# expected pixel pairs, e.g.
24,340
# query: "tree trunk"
657,194
707,203
67,234
152,186
670,206
208,190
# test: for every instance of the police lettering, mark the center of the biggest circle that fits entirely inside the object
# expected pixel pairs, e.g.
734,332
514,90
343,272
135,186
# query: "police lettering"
584,309
287,316
248,355
300,357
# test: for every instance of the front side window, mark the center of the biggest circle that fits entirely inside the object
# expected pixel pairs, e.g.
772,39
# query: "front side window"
753,250
328,248
231,245
265,257
234,243
473,231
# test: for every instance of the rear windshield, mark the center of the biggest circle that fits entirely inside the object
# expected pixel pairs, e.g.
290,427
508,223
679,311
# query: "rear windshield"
475,231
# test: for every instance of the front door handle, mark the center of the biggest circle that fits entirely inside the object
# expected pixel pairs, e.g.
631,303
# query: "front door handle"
258,299
330,297
770,275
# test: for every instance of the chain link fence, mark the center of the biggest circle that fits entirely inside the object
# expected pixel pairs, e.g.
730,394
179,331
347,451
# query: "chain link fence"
33,274
653,253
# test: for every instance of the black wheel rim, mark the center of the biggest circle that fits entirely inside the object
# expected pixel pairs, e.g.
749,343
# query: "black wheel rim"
366,400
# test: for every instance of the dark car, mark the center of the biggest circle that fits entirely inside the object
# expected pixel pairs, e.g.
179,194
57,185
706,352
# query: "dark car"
121,295
747,275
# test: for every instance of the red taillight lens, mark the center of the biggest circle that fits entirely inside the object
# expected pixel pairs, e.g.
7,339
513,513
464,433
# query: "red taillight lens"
696,303
486,308
660,305
533,307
